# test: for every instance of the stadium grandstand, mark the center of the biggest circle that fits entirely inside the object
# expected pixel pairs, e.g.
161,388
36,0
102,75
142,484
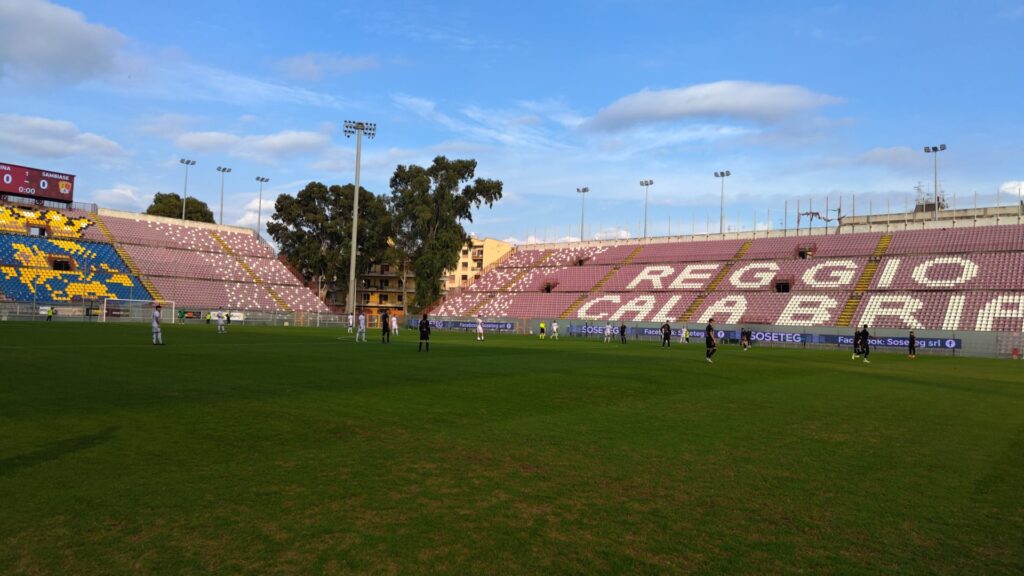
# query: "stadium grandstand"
940,276
54,256
964,278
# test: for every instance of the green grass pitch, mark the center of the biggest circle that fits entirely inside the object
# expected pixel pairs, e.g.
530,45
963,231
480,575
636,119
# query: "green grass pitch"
289,451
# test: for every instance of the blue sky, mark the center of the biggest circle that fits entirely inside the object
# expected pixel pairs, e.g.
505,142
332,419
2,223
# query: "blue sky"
797,99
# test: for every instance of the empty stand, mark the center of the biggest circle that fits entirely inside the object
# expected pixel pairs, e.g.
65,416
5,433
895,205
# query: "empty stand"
60,269
962,279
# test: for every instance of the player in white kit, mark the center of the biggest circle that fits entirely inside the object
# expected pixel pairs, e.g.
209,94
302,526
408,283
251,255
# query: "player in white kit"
554,329
479,329
394,325
350,322
158,338
221,328
608,332
361,332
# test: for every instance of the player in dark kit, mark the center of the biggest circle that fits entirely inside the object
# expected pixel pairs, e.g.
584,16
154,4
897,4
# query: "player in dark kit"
424,333
385,328
912,345
709,340
856,345
666,335
865,345
622,332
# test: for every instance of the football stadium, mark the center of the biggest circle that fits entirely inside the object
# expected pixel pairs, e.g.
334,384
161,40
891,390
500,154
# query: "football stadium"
366,368
284,445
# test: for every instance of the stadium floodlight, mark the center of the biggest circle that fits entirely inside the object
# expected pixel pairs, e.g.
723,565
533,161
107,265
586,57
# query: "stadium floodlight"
259,208
935,191
646,184
222,171
721,201
358,129
184,197
583,194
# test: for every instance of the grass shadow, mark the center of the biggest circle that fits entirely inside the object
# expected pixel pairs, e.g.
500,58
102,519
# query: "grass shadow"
55,450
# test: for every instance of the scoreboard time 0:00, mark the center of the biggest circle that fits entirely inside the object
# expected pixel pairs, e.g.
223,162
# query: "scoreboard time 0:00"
35,183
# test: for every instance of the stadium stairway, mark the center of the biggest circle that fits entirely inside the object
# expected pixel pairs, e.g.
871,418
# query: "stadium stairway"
132,266
600,283
699,300
251,273
864,282
504,288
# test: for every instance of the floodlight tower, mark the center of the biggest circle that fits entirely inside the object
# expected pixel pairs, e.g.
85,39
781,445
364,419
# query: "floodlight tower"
721,201
935,150
583,194
184,197
646,184
259,209
357,128
222,171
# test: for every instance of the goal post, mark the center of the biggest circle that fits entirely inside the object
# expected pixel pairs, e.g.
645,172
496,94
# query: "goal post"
117,310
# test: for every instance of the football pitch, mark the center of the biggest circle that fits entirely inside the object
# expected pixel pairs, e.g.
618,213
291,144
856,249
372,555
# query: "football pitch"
291,451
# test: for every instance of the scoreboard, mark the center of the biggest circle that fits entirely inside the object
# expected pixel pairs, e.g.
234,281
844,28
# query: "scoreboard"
35,183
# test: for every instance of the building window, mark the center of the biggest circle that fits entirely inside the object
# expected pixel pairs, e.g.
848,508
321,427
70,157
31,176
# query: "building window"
464,278
383,298
384,283
366,298
465,265
400,298
465,252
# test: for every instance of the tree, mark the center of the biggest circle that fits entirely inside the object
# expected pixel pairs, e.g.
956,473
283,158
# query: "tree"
169,205
314,231
428,208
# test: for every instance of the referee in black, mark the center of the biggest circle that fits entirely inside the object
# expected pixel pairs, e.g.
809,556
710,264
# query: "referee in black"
912,345
865,344
709,341
424,333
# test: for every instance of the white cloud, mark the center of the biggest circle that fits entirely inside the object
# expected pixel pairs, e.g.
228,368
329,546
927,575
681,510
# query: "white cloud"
518,242
900,158
265,147
1012,187
520,128
759,102
612,234
44,43
894,157
123,197
314,66
169,75
48,138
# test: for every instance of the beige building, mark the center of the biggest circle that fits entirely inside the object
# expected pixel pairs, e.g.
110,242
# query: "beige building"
476,258
385,287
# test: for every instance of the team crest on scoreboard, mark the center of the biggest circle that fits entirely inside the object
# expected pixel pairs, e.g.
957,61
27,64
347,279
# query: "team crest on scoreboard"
65,187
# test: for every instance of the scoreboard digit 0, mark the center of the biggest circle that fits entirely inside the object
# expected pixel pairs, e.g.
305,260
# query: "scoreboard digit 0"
35,183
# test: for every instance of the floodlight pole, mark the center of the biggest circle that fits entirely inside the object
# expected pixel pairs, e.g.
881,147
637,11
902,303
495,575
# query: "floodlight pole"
935,187
646,184
222,171
357,128
259,207
583,194
184,198
721,201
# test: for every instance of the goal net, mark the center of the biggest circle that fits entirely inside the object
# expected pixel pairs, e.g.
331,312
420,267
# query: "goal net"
115,310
